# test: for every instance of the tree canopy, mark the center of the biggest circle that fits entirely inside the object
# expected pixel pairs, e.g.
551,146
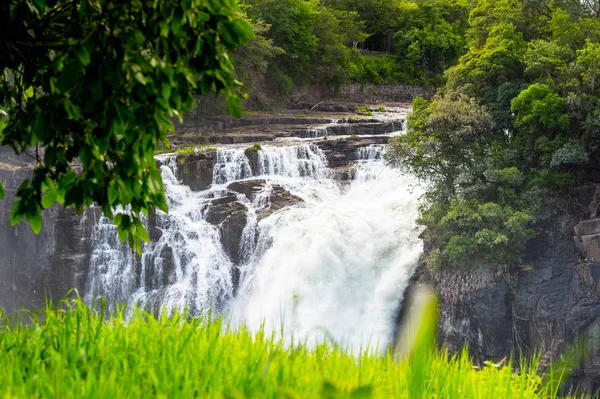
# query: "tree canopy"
88,87
530,80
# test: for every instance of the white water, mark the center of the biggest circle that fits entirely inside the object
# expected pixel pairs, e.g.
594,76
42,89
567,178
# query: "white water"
320,131
334,267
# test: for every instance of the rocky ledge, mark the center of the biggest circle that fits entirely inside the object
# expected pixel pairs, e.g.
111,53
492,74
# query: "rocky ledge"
196,170
311,121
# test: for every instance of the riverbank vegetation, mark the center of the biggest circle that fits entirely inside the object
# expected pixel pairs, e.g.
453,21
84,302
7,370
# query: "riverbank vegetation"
517,123
72,352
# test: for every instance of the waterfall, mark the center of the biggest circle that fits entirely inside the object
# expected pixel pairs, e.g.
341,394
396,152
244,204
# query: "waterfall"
315,132
292,161
231,165
320,131
369,163
333,265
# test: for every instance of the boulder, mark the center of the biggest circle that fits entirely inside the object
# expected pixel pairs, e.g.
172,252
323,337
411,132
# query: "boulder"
250,188
196,170
231,217
278,197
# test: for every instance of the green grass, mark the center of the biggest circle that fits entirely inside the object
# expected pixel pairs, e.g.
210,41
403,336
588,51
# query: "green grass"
363,110
74,353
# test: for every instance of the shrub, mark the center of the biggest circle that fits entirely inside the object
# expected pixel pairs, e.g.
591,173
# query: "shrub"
474,233
253,149
571,153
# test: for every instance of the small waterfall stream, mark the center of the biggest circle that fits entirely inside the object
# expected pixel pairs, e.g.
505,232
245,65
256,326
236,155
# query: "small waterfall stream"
332,266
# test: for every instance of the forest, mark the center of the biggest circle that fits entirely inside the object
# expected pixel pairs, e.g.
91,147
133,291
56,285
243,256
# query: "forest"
334,42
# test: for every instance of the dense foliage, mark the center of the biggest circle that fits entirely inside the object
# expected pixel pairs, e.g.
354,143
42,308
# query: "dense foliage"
88,87
366,41
518,118
73,353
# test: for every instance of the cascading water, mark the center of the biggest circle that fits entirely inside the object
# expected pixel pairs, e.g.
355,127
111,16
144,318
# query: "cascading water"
320,131
334,265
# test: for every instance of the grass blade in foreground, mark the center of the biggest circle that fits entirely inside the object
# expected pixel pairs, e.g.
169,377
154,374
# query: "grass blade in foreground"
74,353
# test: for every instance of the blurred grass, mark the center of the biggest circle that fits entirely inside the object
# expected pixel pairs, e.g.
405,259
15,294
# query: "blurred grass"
74,353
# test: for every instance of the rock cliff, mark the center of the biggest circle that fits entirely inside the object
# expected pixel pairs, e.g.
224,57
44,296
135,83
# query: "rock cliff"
547,305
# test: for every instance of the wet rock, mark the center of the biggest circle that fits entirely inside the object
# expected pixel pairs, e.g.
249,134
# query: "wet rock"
342,152
196,170
231,217
49,265
279,198
250,188
587,239
241,138
276,198
343,173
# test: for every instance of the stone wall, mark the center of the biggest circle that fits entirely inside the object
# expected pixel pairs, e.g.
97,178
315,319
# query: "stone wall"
359,93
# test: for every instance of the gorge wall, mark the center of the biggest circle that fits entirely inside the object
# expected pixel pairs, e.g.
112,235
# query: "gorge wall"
546,305
36,267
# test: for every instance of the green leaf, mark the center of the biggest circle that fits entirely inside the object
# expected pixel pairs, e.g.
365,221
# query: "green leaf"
1,191
234,105
35,221
206,83
83,55
113,193
16,214
166,90
68,78
49,198
141,232
162,205
122,233
125,194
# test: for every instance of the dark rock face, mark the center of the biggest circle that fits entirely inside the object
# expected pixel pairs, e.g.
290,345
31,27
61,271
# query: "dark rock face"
277,198
546,306
250,188
231,217
342,152
196,170
36,267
